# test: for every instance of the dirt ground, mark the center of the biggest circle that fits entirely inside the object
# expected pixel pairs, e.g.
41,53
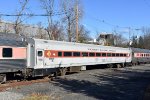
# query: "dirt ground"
130,83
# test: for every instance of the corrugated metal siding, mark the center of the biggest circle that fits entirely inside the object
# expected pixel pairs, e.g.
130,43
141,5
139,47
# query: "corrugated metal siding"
10,65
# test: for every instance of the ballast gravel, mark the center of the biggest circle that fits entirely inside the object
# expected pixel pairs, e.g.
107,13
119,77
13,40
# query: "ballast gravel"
97,84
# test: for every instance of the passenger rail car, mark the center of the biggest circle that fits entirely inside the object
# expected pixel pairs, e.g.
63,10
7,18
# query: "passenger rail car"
46,55
140,56
13,56
38,57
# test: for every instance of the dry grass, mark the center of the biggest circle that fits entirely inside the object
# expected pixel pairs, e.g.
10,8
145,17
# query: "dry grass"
37,96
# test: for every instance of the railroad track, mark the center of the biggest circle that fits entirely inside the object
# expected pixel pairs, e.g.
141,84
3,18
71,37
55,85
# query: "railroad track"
15,83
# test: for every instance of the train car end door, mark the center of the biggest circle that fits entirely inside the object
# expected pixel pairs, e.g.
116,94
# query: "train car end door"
40,58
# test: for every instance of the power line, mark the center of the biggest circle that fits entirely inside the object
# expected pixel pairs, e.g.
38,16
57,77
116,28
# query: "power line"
54,14
31,14
110,24
107,23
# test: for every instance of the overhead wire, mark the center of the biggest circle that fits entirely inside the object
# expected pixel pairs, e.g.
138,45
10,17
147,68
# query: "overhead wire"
54,14
107,23
32,14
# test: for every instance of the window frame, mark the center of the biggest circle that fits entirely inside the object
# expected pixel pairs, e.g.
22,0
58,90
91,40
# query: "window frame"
86,54
65,54
104,54
91,54
76,54
5,50
98,54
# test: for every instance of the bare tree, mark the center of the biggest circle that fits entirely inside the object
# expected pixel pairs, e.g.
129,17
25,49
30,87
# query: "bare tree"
69,18
6,28
141,42
146,37
57,31
119,40
48,6
19,17
39,33
84,36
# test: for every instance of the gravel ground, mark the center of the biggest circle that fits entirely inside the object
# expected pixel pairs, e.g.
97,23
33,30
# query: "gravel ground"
98,84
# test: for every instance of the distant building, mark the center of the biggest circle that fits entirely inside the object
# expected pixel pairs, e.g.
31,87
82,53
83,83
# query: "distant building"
106,39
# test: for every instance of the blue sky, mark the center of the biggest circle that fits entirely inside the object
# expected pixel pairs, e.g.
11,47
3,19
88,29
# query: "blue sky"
99,15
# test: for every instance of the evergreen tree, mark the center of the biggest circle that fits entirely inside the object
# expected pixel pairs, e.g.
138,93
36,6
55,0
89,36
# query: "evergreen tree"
141,42
134,42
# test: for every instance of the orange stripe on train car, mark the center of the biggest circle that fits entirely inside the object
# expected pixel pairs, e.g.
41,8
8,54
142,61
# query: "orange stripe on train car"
50,53
19,53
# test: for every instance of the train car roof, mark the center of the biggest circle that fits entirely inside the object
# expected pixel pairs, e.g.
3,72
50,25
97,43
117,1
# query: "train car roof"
11,39
42,41
140,50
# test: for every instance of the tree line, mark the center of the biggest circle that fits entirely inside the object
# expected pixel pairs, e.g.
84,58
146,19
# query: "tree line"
142,41
62,29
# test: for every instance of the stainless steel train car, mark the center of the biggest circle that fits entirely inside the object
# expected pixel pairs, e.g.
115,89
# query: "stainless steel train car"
140,56
43,55
12,55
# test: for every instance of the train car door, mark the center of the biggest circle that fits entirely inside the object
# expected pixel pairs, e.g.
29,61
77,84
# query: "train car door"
40,58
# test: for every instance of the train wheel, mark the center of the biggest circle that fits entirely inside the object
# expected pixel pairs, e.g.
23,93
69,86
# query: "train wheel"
3,78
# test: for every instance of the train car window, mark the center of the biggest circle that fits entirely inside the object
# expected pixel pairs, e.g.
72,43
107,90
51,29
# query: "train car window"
67,54
59,54
121,55
7,52
113,55
98,54
117,54
142,55
84,54
76,54
104,54
40,53
108,54
91,54
146,55
125,55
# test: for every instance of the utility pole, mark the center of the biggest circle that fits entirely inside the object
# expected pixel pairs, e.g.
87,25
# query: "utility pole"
77,18
130,41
